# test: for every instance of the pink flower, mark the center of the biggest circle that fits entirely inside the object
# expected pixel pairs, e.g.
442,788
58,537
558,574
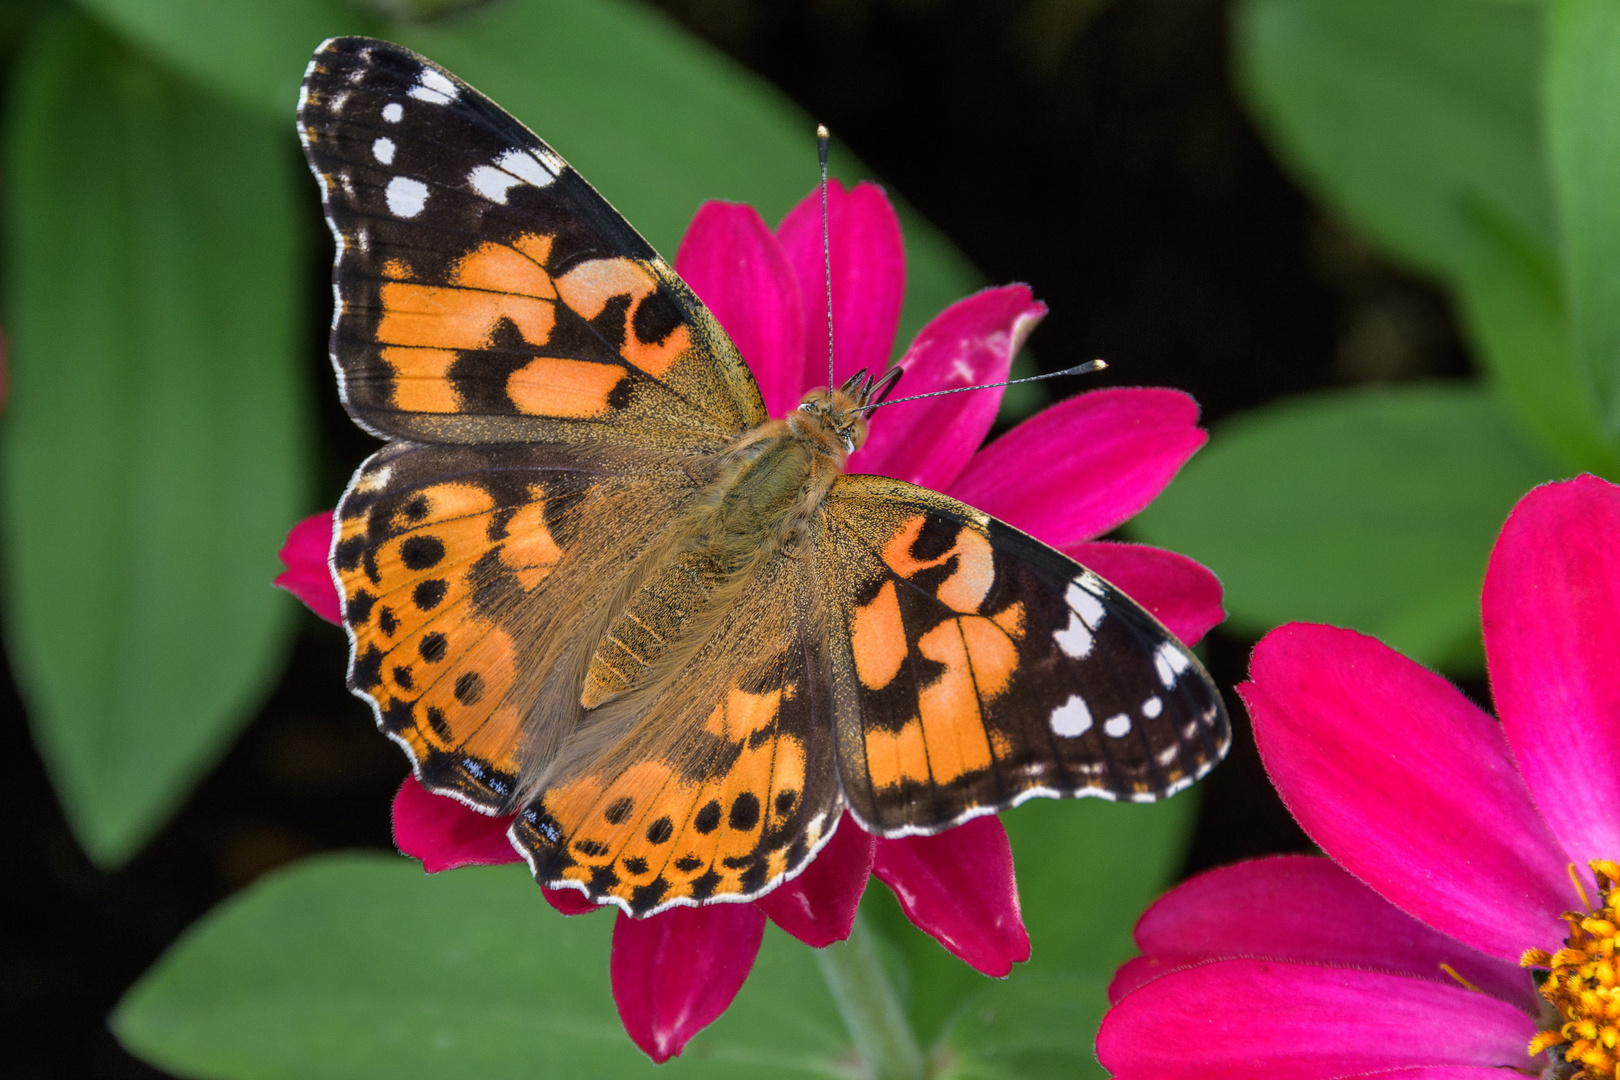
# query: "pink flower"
1073,472
1456,842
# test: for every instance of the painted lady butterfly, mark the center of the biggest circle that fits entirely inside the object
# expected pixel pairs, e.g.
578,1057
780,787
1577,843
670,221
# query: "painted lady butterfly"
591,582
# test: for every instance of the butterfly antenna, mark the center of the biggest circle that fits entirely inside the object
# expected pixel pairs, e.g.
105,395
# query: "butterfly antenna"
1079,369
822,138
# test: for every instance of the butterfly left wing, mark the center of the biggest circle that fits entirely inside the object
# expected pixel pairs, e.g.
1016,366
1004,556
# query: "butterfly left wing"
727,783
974,667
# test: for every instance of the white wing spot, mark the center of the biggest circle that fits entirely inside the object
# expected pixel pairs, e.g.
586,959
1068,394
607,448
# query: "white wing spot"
1074,639
1167,755
1091,583
383,150
393,111
433,88
1152,707
1084,603
374,481
510,169
1170,662
406,197
1117,726
1071,719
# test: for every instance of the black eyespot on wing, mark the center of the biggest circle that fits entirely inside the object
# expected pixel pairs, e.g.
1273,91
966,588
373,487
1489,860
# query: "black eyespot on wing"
433,646
744,812
708,818
617,811
421,552
427,594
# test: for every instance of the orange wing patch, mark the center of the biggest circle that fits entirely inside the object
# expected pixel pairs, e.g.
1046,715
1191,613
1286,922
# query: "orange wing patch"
425,327
439,666
971,657
553,386
659,833
590,286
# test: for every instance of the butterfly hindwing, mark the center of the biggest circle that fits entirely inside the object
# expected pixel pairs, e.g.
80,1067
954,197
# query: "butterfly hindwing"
469,574
728,783
485,291
974,667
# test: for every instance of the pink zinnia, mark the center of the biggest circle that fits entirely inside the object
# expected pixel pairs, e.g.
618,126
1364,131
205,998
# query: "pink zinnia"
1073,472
1460,848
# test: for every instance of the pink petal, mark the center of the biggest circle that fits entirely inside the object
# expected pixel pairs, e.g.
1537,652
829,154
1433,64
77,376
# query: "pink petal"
570,901
818,906
971,342
868,278
1552,638
1438,1072
1178,591
1308,909
674,973
307,576
738,269
1408,785
1083,466
958,886
445,834
1242,1019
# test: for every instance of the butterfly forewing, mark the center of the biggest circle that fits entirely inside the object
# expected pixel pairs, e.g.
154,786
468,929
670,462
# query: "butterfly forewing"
975,667
485,291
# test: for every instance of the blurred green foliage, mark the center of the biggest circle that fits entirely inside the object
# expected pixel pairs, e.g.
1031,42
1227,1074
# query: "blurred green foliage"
156,447
155,441
1477,141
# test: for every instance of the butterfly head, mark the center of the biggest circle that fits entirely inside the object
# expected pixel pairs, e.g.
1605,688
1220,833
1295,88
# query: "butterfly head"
835,417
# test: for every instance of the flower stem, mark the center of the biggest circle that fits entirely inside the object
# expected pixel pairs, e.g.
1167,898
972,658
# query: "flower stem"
871,1010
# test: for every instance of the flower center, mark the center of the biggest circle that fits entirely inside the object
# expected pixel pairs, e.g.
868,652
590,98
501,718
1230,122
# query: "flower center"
1581,985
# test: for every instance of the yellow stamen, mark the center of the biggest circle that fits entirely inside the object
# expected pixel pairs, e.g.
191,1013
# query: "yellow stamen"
1449,970
1581,981
1580,886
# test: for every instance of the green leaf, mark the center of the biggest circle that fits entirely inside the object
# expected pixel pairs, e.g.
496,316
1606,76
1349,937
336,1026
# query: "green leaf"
1583,122
1512,302
153,445
357,966
1397,109
251,52
1420,121
1374,509
655,118
1086,869
1039,1026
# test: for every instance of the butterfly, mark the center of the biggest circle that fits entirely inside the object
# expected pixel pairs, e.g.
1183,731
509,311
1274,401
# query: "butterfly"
589,582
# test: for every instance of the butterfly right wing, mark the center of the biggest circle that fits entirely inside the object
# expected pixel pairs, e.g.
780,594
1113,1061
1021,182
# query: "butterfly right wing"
485,291
475,579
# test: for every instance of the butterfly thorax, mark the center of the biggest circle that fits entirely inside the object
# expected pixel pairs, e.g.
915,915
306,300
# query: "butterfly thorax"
766,489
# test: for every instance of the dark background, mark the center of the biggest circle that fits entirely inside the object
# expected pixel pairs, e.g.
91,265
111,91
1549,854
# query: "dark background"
1093,148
